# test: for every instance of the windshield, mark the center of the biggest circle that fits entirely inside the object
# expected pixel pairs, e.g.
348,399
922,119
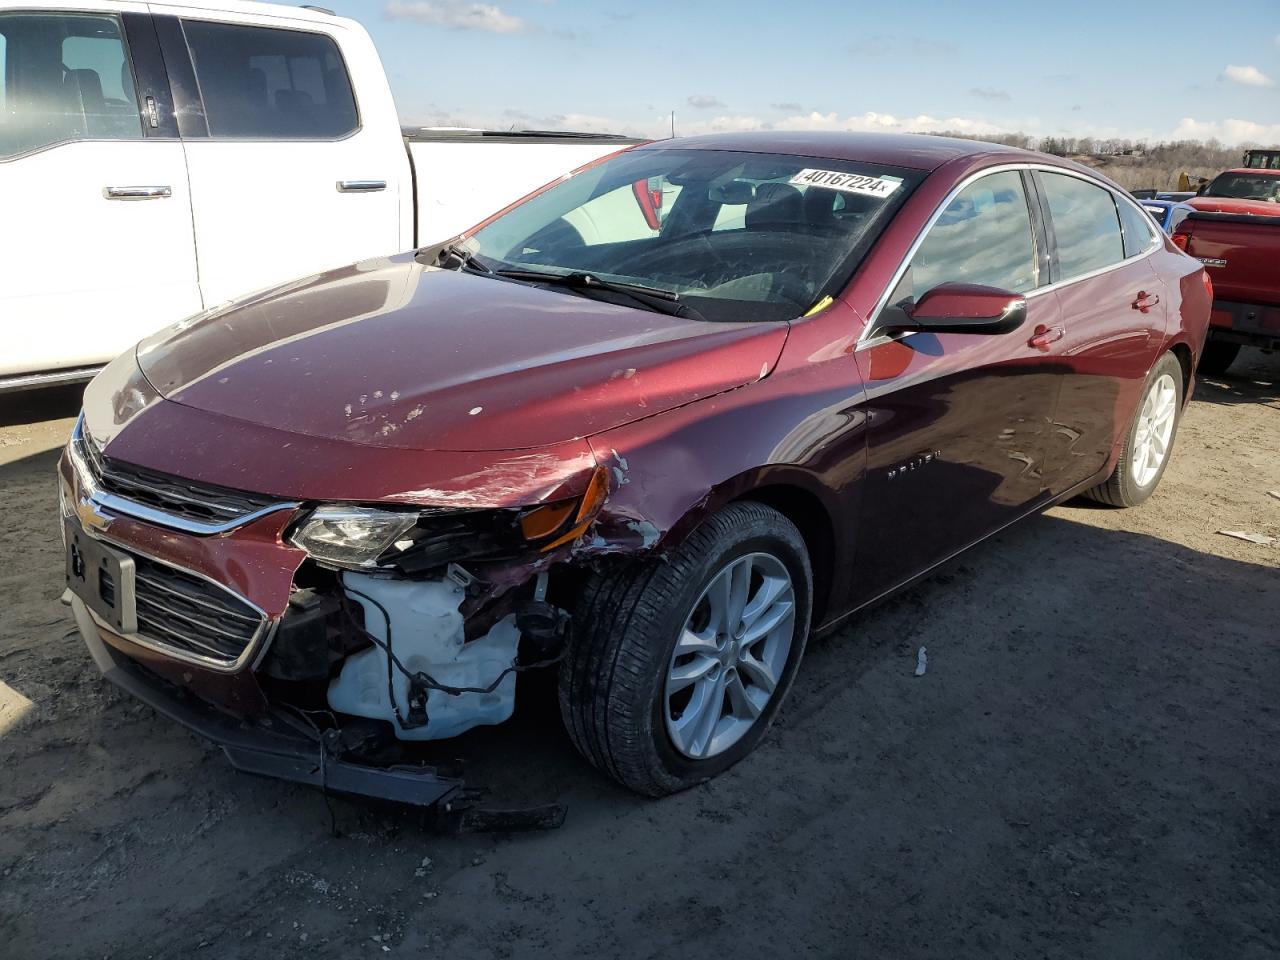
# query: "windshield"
1245,186
736,236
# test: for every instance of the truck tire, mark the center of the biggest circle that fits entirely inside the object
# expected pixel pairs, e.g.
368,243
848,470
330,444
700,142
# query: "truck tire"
1149,442
1218,355
677,665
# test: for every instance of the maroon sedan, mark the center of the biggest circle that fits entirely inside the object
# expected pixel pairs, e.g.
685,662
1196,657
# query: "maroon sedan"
653,427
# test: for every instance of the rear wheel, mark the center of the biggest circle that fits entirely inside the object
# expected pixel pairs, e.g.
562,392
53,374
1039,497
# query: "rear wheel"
678,667
1218,355
1147,446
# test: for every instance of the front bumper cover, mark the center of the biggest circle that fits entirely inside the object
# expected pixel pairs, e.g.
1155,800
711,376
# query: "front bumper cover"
270,746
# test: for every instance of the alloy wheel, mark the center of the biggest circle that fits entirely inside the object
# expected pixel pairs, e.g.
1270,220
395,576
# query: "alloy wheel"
1155,429
730,655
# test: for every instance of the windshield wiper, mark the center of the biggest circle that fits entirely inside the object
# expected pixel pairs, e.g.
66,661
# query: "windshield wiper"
657,299
455,253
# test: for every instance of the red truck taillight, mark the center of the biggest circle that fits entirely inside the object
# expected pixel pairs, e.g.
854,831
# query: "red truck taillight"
1208,284
1182,236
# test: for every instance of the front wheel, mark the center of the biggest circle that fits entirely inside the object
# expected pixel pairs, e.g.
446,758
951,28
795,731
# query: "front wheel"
1147,445
678,667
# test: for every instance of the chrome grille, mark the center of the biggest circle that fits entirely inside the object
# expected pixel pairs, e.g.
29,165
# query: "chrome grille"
189,614
185,500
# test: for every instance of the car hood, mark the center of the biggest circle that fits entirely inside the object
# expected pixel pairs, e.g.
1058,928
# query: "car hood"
1258,208
393,353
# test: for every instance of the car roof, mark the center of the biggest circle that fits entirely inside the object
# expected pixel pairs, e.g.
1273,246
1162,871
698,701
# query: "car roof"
1265,171
916,151
315,14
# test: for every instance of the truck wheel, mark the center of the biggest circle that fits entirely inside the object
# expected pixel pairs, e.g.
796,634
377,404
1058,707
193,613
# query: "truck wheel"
677,666
1218,355
1147,446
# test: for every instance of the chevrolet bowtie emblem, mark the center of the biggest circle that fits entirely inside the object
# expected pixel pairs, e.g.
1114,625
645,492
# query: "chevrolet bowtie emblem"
90,518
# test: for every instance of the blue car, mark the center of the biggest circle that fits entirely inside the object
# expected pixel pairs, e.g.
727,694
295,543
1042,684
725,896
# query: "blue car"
1167,213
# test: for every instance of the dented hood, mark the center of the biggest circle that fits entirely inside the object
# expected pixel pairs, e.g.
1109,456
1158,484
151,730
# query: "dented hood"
393,353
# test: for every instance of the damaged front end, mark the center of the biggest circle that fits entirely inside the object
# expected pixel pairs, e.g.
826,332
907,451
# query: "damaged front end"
419,620
367,630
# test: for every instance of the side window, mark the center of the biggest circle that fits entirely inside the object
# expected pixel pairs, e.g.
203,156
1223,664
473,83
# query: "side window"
64,77
984,236
261,83
1085,224
1136,226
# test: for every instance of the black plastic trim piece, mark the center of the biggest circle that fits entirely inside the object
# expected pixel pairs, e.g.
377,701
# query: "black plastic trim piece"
1046,221
282,752
187,103
150,77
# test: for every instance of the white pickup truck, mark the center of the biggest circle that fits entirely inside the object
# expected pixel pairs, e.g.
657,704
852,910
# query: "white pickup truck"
157,159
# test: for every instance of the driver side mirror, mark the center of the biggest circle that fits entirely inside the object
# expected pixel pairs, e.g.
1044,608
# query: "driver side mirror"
965,308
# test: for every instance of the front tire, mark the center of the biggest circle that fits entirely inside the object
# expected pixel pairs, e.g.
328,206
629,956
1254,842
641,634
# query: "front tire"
677,666
1149,442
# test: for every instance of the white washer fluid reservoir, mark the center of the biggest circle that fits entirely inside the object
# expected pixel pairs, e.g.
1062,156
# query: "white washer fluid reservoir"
426,635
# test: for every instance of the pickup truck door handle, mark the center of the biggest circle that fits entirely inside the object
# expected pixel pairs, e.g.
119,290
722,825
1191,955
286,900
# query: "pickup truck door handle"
1045,336
1145,301
361,186
136,193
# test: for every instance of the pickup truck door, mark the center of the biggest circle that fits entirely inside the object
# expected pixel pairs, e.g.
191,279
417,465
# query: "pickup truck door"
293,146
96,240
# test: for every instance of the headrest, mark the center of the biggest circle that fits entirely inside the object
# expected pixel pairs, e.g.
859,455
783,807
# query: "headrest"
775,203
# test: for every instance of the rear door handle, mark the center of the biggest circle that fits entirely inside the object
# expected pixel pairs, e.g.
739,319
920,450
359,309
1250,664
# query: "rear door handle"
1045,336
361,186
136,193
1145,301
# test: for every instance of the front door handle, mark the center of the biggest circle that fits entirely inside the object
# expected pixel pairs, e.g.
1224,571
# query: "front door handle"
136,193
361,186
1045,336
1145,301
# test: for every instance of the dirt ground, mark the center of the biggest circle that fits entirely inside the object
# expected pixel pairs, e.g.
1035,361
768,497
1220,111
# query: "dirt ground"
1089,768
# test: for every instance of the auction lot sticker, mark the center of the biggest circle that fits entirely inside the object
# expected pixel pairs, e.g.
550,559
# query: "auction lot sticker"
847,182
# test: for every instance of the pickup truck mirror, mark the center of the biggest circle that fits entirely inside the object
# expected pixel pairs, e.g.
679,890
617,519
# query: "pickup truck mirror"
966,308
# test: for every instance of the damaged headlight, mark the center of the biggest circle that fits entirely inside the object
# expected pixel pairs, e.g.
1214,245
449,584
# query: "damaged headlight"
351,537
359,538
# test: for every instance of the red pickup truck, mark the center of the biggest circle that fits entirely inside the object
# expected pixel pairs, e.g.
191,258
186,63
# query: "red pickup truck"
1235,233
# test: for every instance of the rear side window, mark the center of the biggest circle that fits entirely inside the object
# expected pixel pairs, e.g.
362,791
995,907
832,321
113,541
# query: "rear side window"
1085,224
64,77
264,84
984,236
1136,227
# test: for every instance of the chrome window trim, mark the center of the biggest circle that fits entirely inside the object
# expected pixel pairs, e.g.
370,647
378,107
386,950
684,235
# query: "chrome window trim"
118,505
870,337
255,647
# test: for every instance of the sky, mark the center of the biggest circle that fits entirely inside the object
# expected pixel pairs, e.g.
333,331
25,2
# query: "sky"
1134,70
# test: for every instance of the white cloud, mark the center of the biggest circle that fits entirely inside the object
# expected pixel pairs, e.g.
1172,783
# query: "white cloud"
1249,76
456,16
705,102
658,125
1228,131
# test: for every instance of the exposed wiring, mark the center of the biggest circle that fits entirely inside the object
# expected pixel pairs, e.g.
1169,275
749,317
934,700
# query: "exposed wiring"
430,682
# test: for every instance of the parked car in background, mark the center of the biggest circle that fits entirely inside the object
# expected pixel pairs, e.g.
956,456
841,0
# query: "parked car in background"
1167,213
652,455
1257,191
160,159
1242,254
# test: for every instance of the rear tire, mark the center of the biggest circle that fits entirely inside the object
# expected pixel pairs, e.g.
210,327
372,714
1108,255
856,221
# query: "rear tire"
1218,355
1149,442
620,696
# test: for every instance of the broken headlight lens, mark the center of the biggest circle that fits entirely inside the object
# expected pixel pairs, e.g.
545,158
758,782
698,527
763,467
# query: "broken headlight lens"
352,537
